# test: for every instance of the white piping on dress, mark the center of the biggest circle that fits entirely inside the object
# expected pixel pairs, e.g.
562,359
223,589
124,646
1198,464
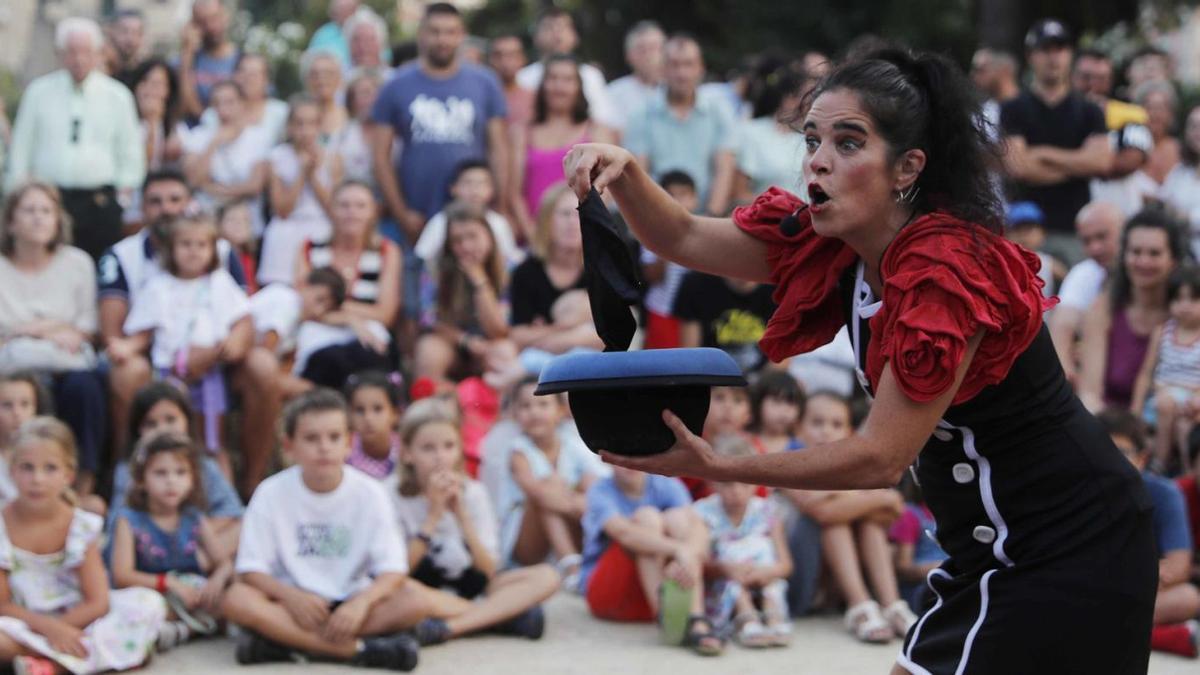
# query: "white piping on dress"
939,572
983,607
985,491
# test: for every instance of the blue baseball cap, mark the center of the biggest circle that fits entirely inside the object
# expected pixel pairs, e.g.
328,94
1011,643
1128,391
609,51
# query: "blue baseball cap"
1021,213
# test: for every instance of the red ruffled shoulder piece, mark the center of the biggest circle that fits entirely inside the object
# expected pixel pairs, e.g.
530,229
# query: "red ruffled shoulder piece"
805,268
944,281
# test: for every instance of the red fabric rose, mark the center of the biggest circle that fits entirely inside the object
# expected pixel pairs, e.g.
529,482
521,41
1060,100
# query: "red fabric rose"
944,281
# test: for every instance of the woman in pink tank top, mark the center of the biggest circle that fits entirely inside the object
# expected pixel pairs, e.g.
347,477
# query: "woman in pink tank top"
560,121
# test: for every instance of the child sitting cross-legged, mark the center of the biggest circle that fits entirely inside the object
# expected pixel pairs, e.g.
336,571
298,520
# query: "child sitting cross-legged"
163,540
750,557
56,611
453,540
321,566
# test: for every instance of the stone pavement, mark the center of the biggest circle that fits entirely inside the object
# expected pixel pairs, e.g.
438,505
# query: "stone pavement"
576,644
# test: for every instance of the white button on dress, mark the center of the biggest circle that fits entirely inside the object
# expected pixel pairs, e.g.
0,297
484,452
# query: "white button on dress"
942,435
984,534
963,473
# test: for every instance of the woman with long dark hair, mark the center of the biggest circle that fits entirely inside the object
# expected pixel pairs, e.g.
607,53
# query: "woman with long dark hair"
1052,563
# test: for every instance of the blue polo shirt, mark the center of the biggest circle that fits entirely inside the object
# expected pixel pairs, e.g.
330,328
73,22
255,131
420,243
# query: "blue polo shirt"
1171,530
688,144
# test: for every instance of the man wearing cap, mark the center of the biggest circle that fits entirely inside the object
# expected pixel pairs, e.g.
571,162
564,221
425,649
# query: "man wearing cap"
1056,139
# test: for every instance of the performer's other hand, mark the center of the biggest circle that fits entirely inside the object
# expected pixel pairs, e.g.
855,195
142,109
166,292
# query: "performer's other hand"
690,456
590,165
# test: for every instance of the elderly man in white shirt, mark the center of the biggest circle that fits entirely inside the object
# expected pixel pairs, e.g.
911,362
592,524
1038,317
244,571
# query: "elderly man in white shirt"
1098,226
644,53
77,128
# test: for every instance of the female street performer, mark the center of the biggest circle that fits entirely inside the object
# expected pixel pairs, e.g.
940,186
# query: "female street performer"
1052,563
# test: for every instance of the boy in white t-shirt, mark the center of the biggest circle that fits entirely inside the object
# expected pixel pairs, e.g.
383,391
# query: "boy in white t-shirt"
321,566
279,311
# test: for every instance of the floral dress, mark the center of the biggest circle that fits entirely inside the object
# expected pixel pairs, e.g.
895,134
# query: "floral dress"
747,542
49,584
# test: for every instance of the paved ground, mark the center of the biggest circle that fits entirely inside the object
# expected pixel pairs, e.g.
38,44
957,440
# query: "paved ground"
576,644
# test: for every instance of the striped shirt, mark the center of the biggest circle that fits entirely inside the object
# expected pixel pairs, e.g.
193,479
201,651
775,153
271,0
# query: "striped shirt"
364,286
1178,364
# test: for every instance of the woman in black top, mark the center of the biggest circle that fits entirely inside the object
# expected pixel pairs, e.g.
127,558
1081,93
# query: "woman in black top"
1052,564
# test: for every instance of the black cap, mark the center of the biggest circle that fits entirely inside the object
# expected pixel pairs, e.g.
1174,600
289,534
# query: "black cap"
1048,32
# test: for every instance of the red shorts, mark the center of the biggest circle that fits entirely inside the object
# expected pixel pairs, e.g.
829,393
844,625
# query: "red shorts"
662,332
614,591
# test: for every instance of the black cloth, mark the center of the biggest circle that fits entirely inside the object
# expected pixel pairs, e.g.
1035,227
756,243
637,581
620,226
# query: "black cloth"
470,584
729,319
1066,125
532,294
332,366
613,280
1052,564
95,218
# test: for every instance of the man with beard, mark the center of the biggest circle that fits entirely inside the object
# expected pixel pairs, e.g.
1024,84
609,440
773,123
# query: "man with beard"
445,112
206,55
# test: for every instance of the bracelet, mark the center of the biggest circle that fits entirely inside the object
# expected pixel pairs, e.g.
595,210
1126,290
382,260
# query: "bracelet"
160,583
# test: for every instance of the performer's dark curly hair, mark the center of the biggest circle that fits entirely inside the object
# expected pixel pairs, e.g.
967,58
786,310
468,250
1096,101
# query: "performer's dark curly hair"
924,101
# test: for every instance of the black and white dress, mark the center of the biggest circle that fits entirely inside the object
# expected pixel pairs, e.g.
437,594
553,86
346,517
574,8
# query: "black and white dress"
1052,564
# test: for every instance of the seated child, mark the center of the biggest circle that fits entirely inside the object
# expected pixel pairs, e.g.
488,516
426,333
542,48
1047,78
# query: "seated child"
162,539
1024,226
750,557
56,611
235,222
854,525
1178,601
777,404
22,398
643,545
917,552
164,406
1167,388
279,311
729,412
321,566
453,542
550,471
196,319
374,399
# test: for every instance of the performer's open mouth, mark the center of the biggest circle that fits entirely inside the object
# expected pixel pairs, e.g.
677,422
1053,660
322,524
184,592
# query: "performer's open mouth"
816,196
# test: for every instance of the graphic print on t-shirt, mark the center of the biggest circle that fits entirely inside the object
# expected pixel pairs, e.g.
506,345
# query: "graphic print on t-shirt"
738,331
437,121
322,540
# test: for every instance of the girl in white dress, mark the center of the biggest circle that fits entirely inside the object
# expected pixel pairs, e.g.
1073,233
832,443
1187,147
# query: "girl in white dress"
56,610
303,175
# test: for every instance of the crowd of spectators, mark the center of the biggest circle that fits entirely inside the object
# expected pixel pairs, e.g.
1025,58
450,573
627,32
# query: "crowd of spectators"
280,355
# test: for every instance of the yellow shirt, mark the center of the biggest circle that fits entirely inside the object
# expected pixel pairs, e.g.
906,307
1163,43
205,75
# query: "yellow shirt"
1119,113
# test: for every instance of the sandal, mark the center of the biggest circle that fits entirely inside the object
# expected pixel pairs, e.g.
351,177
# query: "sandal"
704,641
780,631
568,568
865,621
900,617
751,633
198,621
674,609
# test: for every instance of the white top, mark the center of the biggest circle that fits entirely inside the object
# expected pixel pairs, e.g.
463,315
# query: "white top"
330,544
101,117
277,308
285,236
65,290
8,489
660,298
186,313
433,238
272,125
627,95
595,89
770,156
1128,193
47,583
1083,285
575,462
827,368
232,163
1181,191
449,550
351,145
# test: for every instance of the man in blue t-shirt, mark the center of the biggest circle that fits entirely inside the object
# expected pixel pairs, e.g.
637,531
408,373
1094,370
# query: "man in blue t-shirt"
206,56
444,111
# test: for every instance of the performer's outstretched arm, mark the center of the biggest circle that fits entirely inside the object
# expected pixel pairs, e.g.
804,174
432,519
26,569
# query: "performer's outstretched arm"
876,456
713,245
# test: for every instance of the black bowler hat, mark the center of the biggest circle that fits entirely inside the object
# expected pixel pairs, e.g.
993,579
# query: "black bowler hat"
1047,32
617,397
